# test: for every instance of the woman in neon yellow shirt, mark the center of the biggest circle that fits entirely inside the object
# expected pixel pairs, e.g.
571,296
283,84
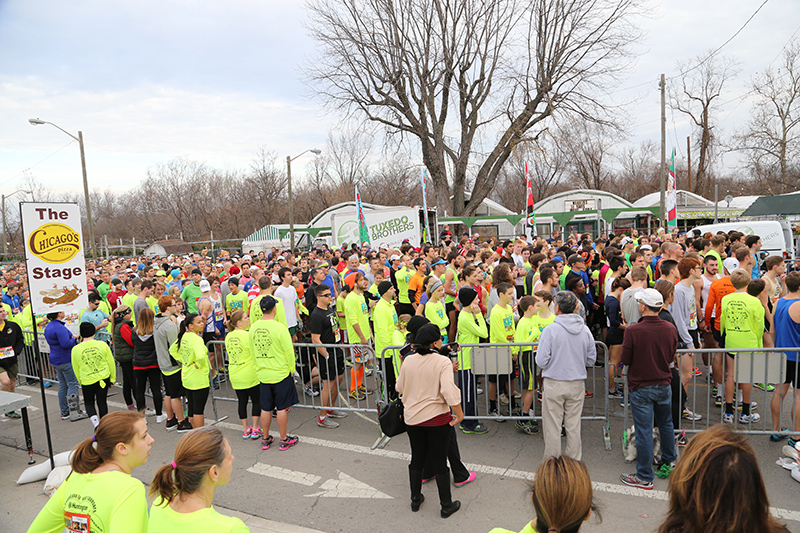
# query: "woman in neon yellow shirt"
434,308
185,487
242,373
102,466
190,350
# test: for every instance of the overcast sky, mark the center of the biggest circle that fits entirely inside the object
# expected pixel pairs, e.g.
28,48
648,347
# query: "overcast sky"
149,81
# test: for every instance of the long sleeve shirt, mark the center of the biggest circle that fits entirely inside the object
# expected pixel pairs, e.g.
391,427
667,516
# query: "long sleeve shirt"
61,342
684,312
426,383
648,349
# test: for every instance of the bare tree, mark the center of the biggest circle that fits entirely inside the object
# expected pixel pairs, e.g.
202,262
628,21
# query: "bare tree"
587,147
456,74
547,167
696,95
639,174
771,139
347,153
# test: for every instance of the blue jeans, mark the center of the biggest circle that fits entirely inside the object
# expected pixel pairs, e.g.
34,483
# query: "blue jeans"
67,384
647,403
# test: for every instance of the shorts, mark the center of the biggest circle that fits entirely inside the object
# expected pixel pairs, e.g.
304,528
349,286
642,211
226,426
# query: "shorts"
173,387
791,372
528,370
209,336
694,334
361,354
221,327
333,366
280,396
450,308
504,378
12,371
293,330
614,337
599,316
718,337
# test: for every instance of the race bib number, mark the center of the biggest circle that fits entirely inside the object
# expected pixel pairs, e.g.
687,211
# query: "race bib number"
6,352
361,354
218,316
77,523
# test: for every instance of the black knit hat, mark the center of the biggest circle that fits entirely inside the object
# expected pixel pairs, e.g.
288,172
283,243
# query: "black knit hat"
466,295
427,335
416,323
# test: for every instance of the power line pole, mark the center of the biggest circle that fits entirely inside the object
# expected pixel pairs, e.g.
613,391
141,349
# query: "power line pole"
663,212
689,161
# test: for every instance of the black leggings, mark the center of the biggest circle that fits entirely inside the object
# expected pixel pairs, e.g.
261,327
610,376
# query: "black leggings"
429,445
254,395
460,472
677,390
197,401
127,381
143,375
96,392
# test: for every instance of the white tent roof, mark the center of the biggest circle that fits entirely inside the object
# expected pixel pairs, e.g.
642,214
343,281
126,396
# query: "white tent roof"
685,199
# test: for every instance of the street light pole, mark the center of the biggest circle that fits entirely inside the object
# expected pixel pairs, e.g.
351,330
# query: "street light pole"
5,238
289,160
79,138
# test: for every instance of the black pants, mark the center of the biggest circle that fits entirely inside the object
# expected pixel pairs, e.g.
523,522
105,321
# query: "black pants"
390,378
460,472
254,395
429,446
677,391
197,401
127,381
100,394
142,376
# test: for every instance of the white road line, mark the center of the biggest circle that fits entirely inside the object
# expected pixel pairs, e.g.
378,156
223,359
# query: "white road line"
784,514
277,472
348,487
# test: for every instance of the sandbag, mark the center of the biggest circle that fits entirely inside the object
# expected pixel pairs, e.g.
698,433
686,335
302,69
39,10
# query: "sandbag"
42,470
56,478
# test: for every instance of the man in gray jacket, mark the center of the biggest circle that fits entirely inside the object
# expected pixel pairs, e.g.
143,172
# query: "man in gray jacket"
566,348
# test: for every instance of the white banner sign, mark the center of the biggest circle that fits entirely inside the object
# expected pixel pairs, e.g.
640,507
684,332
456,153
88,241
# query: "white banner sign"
54,257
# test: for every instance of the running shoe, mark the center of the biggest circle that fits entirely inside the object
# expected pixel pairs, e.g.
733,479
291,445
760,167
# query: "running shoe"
764,386
356,394
425,480
172,424
478,391
494,413
753,406
288,443
257,433
470,479
47,384
310,391
215,383
185,426
503,399
363,390
778,438
13,414
681,440
161,418
719,401
267,442
690,415
632,480
479,429
327,423
367,372
529,427
714,391
727,419
517,396
589,394
665,470
616,393
247,432
64,416
793,443
337,414
696,371
747,419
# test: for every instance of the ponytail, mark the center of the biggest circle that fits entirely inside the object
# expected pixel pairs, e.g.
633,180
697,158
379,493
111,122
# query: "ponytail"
114,428
185,326
195,453
233,322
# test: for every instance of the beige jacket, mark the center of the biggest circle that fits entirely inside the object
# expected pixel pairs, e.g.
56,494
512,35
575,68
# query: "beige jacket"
426,383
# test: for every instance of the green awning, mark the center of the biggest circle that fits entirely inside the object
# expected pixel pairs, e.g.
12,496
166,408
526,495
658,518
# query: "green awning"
784,204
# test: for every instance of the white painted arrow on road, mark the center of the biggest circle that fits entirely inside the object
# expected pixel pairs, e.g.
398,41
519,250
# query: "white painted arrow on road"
345,487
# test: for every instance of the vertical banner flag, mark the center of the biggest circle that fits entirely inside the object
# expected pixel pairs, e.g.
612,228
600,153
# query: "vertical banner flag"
54,257
530,216
426,237
671,201
363,234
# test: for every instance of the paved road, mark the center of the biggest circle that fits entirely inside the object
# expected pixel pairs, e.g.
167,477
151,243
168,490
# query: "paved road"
332,481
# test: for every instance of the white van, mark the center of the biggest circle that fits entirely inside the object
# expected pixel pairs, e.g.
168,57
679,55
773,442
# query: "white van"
776,235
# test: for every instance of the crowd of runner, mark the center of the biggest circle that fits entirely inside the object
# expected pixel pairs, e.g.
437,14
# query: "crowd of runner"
643,296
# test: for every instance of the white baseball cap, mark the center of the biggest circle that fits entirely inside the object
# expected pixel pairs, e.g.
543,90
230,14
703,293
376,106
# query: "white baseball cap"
650,298
205,285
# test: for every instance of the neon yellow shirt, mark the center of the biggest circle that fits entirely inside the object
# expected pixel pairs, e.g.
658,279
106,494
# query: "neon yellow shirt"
434,311
92,361
152,303
128,300
271,346
447,298
403,276
527,529
398,339
384,320
742,321
193,356
237,302
527,330
541,323
164,519
471,329
108,502
356,311
340,309
256,313
241,364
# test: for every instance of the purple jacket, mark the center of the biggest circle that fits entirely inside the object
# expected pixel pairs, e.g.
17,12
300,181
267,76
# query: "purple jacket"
61,342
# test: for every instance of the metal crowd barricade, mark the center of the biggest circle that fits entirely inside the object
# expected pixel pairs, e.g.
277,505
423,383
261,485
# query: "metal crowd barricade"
758,368
494,362
28,363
